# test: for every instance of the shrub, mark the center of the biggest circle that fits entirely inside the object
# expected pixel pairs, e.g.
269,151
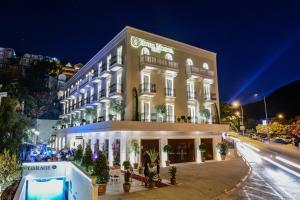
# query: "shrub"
87,159
78,154
126,164
202,148
172,172
167,148
223,148
101,169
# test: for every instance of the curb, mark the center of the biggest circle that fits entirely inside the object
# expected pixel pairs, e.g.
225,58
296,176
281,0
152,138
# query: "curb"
238,185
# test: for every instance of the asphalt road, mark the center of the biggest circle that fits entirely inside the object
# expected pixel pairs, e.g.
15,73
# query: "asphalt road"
270,179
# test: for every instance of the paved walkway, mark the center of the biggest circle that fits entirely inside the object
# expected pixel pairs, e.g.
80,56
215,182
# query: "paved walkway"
196,181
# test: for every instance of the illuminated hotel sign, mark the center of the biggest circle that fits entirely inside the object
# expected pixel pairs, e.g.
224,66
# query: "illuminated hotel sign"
137,42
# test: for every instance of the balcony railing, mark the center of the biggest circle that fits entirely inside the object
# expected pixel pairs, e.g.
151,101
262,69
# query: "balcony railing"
102,93
191,95
211,96
117,60
170,92
73,89
115,88
84,82
152,60
147,88
199,71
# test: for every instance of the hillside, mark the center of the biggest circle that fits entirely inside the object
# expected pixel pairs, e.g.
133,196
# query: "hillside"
284,100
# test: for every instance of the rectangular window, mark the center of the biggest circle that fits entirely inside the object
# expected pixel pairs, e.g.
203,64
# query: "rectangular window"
119,55
108,61
206,88
191,90
192,113
169,87
99,68
146,82
119,82
170,113
145,111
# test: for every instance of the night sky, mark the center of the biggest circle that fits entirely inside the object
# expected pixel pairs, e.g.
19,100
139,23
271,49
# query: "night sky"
257,42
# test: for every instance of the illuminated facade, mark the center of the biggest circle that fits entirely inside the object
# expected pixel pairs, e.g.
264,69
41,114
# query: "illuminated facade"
143,86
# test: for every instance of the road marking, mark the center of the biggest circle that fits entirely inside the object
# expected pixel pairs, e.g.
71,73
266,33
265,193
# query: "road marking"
263,191
246,193
288,162
263,185
282,167
253,195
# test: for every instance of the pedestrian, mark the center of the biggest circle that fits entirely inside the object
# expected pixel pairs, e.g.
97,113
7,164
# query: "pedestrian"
146,173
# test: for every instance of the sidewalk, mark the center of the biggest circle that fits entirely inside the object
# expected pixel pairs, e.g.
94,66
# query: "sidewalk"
196,181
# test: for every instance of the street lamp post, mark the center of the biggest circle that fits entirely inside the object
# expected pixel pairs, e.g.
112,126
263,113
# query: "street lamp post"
265,105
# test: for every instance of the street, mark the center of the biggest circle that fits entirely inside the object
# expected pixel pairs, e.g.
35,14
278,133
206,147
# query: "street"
272,177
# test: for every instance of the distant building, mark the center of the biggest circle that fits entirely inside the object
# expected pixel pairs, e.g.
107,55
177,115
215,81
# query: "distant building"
28,59
6,54
68,70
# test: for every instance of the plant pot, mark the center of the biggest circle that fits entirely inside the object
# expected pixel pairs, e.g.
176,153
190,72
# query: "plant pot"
126,187
223,157
135,165
101,189
152,165
140,170
151,184
167,163
173,181
203,158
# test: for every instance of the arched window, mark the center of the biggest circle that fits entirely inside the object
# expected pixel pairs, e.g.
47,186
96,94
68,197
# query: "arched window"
205,66
189,62
168,56
145,51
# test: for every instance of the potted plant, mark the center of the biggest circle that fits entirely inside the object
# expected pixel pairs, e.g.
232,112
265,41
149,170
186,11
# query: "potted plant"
172,173
183,118
134,147
151,178
127,174
189,118
167,149
152,156
202,149
178,119
223,149
101,171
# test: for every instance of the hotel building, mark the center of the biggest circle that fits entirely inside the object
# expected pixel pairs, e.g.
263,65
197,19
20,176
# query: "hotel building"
146,87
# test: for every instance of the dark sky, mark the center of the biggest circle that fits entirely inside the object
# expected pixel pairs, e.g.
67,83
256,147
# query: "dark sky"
257,42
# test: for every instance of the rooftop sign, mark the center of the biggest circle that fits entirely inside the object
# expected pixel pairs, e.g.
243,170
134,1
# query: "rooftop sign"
137,42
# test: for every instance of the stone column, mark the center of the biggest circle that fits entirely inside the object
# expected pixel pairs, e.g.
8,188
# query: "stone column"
123,149
163,155
198,153
110,151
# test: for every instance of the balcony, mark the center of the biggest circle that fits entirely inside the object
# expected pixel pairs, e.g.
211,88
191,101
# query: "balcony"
152,62
117,63
147,89
73,90
84,82
96,77
210,97
103,96
170,93
115,91
198,72
191,96
104,71
94,99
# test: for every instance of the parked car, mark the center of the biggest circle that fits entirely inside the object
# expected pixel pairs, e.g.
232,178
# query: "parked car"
280,141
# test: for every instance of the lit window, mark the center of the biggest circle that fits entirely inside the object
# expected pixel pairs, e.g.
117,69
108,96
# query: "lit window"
168,57
205,66
189,62
145,51
119,55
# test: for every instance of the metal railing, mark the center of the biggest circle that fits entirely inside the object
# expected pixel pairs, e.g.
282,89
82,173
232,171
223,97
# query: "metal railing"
170,92
146,59
115,88
199,71
191,95
115,60
147,88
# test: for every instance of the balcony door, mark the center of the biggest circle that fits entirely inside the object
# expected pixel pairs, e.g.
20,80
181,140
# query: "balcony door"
191,90
170,113
192,112
145,111
169,87
206,88
146,82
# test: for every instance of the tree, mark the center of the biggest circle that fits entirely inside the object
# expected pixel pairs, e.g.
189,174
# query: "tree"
78,154
87,159
101,170
9,168
274,128
13,125
229,117
295,129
